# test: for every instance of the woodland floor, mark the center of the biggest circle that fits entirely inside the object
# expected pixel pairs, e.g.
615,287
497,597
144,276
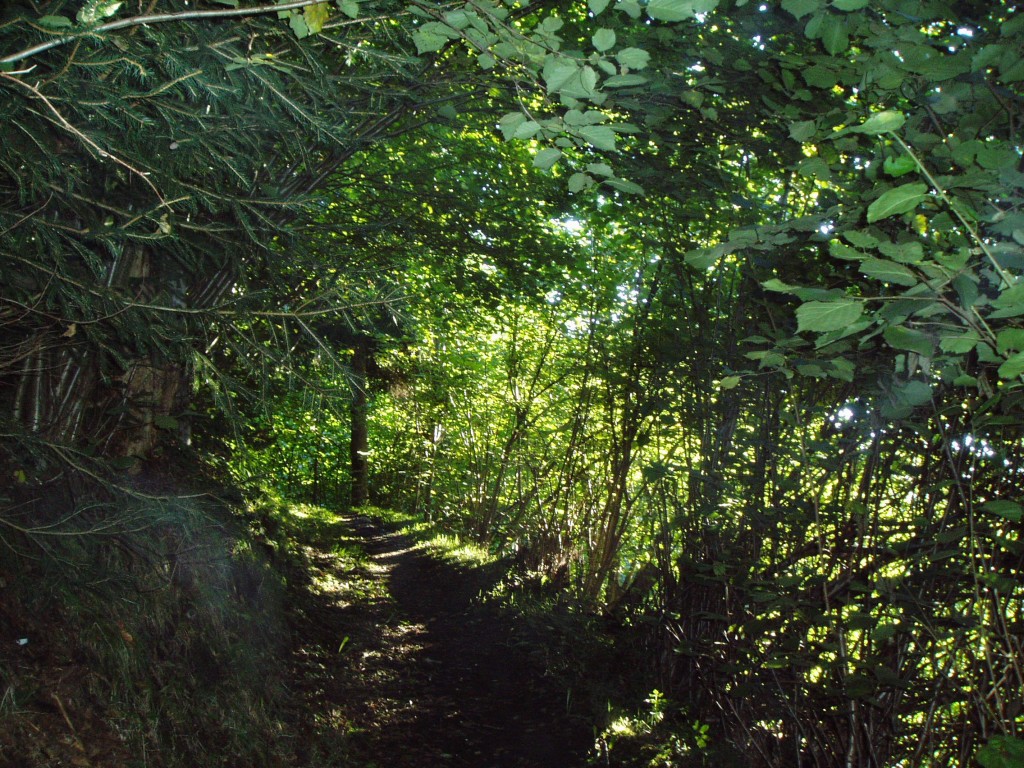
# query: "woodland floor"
403,664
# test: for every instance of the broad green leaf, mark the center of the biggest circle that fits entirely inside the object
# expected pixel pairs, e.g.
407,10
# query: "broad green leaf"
778,286
802,130
298,24
896,201
527,130
510,123
316,16
678,10
835,35
822,316
1009,510
603,39
898,166
702,258
801,8
1002,751
630,7
839,250
906,253
629,187
432,36
546,158
881,122
634,58
959,345
1010,339
860,239
624,81
600,169
888,271
1013,367
599,136
349,7
597,6
729,382
558,72
55,22
914,393
486,61
94,11
580,181
910,339
849,5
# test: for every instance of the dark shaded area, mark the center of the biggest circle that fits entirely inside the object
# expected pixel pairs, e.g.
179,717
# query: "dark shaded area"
428,675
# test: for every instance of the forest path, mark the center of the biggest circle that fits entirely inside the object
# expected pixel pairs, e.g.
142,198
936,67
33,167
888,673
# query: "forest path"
400,664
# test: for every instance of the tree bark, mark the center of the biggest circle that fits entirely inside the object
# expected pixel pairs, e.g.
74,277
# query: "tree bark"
359,446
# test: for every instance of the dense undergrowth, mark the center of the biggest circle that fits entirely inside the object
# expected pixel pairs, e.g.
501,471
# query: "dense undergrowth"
157,630
153,630
144,631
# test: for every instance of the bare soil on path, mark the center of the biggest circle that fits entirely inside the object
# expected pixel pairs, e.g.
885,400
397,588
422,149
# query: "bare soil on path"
399,663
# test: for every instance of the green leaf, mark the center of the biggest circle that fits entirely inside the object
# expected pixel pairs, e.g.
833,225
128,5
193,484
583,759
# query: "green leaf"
580,181
729,382
778,286
599,136
597,6
1013,367
1010,339
896,201
432,36
634,58
678,10
95,11
835,35
849,5
881,122
906,253
603,39
547,158
801,8
558,72
526,130
298,24
349,7
898,166
959,345
901,337
510,123
702,259
623,185
162,421
316,16
56,22
914,393
802,130
839,250
888,272
1004,508
823,316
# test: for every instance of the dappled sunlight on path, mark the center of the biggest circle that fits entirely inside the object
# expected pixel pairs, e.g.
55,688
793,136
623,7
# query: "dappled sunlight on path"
402,665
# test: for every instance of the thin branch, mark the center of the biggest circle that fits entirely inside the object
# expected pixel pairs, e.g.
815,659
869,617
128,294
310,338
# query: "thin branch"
156,18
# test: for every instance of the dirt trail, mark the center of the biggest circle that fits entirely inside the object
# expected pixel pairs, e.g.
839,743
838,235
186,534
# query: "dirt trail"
411,670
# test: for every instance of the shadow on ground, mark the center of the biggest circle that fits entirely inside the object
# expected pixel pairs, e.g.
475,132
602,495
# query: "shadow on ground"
402,665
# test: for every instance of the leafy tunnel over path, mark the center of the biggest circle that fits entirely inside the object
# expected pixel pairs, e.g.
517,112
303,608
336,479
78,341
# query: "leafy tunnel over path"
400,664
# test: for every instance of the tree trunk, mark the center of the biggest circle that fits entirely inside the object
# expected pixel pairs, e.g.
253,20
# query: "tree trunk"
359,446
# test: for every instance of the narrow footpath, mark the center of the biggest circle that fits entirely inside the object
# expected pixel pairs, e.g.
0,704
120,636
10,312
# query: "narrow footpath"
400,664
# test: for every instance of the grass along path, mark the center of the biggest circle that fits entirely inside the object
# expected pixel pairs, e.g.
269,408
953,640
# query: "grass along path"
399,663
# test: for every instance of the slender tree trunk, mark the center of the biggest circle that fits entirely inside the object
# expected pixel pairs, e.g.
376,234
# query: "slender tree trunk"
359,447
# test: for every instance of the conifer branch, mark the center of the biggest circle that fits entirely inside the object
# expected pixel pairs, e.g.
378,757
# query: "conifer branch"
156,18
